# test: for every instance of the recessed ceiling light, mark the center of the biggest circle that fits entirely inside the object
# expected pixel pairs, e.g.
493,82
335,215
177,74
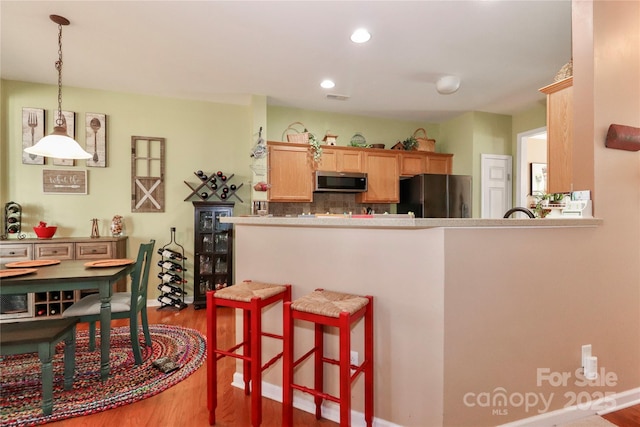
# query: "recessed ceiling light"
327,84
360,36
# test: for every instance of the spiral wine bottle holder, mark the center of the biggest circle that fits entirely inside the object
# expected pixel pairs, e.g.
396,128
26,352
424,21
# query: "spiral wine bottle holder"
213,187
12,221
172,269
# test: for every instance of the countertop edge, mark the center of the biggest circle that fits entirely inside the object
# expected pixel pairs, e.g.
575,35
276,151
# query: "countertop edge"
413,223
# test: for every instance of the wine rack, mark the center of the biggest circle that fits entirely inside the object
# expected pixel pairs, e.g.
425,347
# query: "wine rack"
212,265
173,267
53,303
12,221
213,186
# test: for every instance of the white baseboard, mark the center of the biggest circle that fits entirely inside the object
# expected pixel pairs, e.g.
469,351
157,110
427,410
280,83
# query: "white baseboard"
330,410
569,414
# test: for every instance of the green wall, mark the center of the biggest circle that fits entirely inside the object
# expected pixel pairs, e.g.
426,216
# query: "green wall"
375,130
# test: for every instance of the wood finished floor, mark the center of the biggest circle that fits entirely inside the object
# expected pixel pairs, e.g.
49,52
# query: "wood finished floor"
185,403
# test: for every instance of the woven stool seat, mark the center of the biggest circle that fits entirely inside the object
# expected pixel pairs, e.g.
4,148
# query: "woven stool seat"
328,303
248,289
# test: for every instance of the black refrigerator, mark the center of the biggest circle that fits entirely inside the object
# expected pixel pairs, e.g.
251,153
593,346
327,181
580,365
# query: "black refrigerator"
436,196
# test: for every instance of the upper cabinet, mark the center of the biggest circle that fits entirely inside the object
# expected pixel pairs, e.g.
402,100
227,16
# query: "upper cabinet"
417,162
383,177
559,136
290,173
340,159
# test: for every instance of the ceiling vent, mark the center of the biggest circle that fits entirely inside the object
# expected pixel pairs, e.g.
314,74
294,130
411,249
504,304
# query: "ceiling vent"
337,97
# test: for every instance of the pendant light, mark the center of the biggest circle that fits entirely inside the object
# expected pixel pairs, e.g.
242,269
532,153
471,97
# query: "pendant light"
58,144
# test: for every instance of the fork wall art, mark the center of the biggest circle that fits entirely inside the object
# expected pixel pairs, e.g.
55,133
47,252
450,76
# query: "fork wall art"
68,121
32,132
96,132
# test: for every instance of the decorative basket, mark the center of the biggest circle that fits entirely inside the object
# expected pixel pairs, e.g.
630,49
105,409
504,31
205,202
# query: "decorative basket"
565,72
424,143
295,135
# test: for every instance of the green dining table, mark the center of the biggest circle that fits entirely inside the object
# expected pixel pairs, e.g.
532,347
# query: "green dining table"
74,275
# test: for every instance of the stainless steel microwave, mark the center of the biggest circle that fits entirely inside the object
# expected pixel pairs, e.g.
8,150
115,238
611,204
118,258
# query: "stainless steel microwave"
341,182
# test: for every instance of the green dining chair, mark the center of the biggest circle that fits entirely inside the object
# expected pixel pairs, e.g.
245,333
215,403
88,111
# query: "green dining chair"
124,305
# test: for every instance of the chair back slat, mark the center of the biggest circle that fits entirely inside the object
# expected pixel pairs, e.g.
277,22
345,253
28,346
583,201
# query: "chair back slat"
140,275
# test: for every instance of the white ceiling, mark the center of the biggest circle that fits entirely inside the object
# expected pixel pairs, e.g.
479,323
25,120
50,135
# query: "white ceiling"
223,51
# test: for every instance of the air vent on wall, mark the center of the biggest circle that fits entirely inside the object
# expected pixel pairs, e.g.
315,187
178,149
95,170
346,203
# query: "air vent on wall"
337,97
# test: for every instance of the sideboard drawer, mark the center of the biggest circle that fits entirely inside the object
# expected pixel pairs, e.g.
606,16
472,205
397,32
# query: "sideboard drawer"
15,252
94,250
61,251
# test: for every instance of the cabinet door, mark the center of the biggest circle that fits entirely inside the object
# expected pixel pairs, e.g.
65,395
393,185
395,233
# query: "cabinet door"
328,161
560,140
412,163
213,246
290,173
61,251
350,161
383,178
439,163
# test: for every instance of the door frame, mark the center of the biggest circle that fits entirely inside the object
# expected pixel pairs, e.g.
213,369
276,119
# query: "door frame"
521,164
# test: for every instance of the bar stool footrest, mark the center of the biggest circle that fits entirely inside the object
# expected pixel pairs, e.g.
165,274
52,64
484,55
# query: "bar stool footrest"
315,393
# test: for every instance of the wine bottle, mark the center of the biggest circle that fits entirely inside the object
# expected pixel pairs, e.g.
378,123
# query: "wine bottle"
170,289
223,177
214,186
13,208
223,195
203,176
169,299
225,190
233,187
12,220
204,195
219,173
41,312
13,228
170,265
169,277
53,311
168,253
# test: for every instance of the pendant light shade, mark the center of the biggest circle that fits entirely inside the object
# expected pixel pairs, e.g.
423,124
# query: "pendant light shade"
58,144
447,85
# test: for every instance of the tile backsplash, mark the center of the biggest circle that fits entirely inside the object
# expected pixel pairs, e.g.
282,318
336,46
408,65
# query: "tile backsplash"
334,203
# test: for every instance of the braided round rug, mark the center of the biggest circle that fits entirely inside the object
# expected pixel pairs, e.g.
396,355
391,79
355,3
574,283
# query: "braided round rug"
21,389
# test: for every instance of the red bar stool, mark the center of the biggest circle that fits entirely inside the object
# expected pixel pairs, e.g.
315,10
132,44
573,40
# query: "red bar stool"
326,308
250,297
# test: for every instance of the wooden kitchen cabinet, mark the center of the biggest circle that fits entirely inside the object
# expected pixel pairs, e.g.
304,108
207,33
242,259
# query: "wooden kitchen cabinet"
341,159
559,136
439,163
290,172
383,177
412,163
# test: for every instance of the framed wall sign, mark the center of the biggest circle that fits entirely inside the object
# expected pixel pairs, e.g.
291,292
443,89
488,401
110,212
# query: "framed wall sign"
32,132
56,181
68,121
96,134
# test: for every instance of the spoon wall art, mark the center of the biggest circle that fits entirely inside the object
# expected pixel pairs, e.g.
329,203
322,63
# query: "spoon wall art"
96,139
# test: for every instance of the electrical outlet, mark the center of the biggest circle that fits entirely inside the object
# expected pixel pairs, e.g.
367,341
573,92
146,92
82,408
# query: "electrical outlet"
586,354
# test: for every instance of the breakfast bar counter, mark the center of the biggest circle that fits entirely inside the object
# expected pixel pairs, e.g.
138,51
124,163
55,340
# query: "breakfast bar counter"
456,302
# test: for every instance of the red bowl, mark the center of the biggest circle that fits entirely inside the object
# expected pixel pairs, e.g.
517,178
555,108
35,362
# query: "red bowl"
45,232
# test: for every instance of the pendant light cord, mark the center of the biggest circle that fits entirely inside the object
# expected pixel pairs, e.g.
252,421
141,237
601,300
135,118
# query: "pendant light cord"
59,121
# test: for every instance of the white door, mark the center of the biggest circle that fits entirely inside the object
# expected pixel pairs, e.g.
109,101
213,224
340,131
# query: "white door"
496,185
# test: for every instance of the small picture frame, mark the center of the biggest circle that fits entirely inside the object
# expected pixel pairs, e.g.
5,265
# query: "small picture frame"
32,132
96,139
68,121
538,178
